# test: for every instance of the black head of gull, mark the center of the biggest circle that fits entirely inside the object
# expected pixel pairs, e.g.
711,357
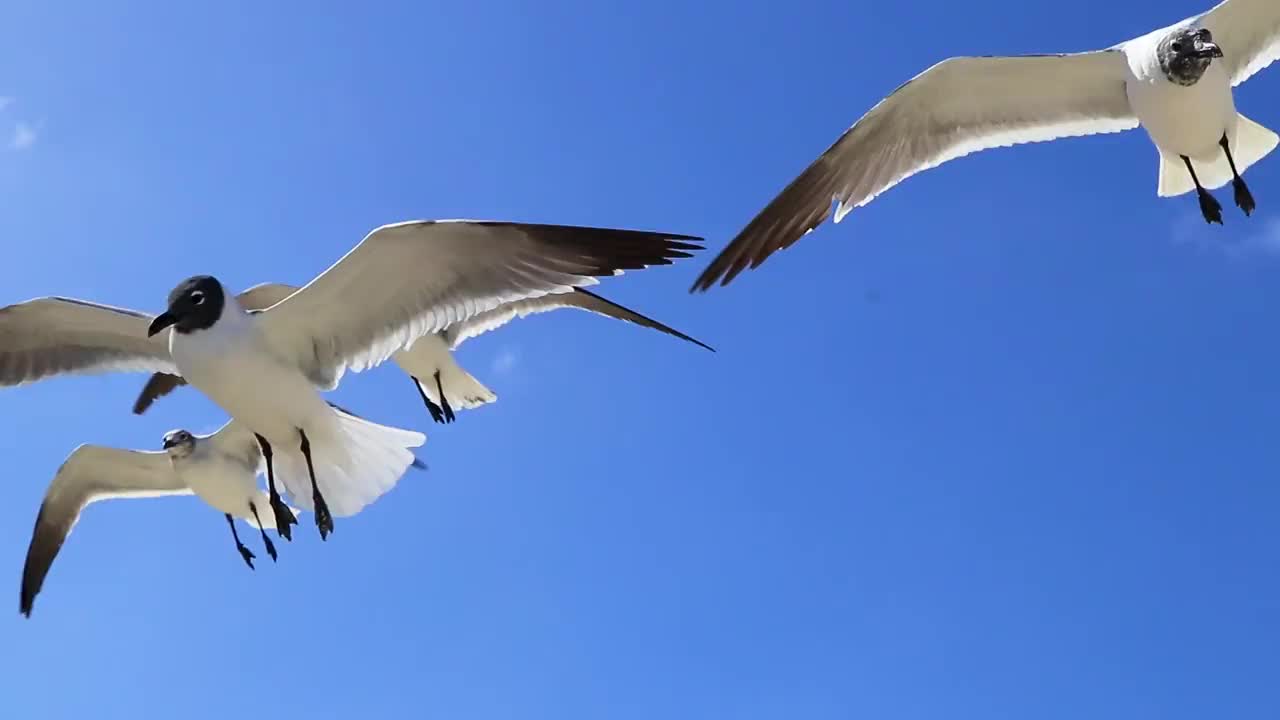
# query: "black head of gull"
1186,54
195,304
179,443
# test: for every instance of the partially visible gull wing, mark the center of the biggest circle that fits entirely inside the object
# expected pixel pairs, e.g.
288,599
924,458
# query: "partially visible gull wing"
237,443
459,333
406,280
1248,31
258,297
89,474
954,108
159,385
55,335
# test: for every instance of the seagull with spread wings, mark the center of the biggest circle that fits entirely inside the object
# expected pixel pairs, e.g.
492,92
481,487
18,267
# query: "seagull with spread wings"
267,368
1175,82
442,384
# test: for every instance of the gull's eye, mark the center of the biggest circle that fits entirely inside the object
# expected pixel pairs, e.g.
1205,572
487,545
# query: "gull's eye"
197,297
1177,47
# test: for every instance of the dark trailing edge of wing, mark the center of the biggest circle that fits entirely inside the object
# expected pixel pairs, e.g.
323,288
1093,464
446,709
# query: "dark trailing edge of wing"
654,324
159,385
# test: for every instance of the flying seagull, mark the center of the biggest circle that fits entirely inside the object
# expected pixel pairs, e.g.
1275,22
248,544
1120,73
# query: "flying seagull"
265,368
221,469
1176,82
441,383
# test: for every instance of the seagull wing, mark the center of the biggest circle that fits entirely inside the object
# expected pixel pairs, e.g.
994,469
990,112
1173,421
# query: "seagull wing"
89,474
236,442
54,335
1248,31
581,299
406,280
258,297
954,108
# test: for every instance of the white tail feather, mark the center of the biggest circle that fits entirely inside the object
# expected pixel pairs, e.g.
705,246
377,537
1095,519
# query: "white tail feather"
463,391
356,463
1251,143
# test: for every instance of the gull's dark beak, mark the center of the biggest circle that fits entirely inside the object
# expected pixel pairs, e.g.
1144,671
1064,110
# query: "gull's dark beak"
1207,49
169,442
162,321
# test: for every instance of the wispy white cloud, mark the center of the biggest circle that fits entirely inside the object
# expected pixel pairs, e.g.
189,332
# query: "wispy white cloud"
1261,238
506,361
24,136
1267,238
5,102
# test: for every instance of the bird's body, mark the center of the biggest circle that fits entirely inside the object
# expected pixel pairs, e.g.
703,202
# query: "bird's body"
225,476
1180,119
221,469
1176,82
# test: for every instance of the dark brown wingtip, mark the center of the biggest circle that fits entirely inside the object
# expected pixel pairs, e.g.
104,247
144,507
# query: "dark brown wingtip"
40,556
653,324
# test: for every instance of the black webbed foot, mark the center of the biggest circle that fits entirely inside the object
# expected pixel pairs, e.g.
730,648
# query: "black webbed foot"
1244,198
248,556
436,413
271,548
444,401
324,520
284,517
1210,208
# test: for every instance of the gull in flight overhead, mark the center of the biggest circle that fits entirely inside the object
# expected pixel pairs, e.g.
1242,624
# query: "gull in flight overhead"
221,468
1176,82
429,362
266,368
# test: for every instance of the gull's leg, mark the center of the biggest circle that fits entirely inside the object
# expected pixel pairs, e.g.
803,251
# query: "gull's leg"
271,549
1244,198
284,516
1209,207
434,409
244,551
444,401
324,521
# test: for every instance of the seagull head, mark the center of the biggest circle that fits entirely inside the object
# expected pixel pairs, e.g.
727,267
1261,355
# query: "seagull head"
1186,53
195,304
179,443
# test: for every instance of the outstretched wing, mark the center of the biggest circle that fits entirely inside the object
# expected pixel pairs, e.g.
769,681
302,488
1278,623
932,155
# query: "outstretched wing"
404,281
89,474
54,335
959,106
1248,31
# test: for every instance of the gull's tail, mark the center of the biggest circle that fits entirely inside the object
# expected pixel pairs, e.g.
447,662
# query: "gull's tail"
1250,144
463,391
356,462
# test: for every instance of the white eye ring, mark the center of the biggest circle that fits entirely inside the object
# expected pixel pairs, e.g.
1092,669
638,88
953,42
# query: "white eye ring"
197,297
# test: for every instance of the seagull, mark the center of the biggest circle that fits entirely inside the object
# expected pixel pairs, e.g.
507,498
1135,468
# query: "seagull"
430,358
1176,82
266,369
220,468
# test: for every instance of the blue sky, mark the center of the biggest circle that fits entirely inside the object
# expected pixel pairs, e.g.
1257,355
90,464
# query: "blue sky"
1000,445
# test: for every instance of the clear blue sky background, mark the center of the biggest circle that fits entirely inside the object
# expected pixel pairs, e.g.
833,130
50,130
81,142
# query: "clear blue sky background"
1001,445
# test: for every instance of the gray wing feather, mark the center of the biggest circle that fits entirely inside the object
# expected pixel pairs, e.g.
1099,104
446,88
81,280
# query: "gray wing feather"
406,280
954,108
1248,31
89,474
54,335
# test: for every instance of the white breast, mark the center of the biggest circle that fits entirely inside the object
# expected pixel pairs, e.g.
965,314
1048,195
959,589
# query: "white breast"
221,482
1183,120
231,364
